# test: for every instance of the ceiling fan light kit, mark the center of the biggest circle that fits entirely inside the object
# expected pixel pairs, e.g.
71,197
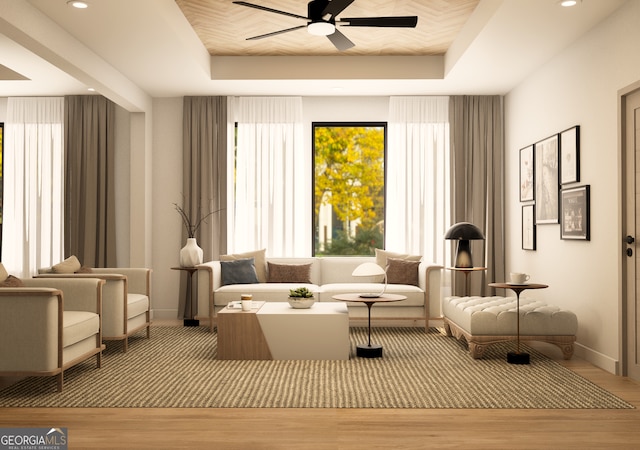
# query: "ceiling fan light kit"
322,19
321,28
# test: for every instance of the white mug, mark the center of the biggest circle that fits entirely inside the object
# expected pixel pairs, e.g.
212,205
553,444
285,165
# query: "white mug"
246,305
246,301
519,278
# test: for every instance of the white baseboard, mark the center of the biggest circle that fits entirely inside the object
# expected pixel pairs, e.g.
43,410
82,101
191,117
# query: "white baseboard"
597,359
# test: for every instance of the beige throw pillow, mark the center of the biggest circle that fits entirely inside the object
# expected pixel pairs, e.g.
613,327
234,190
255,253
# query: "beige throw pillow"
382,255
259,258
69,265
3,273
11,281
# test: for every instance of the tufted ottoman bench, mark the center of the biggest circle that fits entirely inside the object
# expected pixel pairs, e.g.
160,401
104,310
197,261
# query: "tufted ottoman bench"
483,321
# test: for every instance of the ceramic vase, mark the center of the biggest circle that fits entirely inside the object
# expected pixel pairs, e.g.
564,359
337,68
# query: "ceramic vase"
190,254
301,303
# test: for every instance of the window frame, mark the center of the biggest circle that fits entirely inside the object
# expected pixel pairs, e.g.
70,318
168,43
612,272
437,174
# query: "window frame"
346,124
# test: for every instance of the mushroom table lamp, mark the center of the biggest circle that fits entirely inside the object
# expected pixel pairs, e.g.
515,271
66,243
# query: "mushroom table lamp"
371,270
463,232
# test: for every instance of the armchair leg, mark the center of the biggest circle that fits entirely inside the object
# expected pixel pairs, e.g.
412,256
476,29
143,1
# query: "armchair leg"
125,344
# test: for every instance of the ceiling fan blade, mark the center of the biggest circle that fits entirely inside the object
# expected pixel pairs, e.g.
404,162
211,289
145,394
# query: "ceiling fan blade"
398,21
340,41
262,36
264,8
335,7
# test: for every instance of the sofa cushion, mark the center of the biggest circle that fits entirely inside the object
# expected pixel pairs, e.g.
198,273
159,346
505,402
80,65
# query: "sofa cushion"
260,261
402,271
69,265
79,325
382,255
267,292
289,273
136,304
240,271
339,269
415,295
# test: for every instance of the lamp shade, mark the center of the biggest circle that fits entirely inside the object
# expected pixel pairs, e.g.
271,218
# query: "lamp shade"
370,270
463,232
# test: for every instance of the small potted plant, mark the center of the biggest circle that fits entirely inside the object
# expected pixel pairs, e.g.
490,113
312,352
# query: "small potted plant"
301,298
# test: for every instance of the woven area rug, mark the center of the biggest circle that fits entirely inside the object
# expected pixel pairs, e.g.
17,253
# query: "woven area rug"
177,367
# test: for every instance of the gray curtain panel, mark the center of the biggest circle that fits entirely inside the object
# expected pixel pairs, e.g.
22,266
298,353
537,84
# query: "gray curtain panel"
204,185
89,199
477,182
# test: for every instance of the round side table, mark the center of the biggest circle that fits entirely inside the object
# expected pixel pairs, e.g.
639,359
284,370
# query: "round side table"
518,357
369,350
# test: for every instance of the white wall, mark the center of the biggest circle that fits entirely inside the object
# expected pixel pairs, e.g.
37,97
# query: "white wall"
123,186
167,190
578,87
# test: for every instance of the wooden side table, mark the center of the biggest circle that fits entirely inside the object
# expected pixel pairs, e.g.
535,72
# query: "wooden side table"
189,321
467,271
240,335
518,357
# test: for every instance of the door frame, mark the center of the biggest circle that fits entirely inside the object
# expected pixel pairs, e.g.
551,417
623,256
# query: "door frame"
624,231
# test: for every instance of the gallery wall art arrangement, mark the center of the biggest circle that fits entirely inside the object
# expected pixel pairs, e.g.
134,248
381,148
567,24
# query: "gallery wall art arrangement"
549,193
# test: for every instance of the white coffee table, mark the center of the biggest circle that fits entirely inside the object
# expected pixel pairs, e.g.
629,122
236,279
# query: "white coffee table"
275,330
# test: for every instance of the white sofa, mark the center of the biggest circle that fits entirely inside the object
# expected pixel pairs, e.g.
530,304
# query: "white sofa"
329,276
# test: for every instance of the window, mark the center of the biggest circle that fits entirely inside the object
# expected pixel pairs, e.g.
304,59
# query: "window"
349,187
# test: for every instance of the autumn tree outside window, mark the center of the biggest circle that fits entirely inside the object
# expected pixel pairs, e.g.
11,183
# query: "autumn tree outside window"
349,187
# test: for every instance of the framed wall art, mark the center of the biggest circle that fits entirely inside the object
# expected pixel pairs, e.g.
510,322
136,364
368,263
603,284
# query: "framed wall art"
570,155
526,174
546,180
575,213
528,227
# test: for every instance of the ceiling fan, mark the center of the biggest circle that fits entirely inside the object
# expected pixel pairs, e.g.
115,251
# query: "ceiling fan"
322,19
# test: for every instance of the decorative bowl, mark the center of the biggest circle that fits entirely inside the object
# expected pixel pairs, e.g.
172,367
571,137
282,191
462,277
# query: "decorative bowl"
301,303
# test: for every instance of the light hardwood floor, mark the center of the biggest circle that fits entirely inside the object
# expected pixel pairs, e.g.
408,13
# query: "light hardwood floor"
195,428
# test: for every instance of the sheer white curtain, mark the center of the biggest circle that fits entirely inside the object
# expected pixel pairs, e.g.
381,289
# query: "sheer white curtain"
33,171
418,198
271,204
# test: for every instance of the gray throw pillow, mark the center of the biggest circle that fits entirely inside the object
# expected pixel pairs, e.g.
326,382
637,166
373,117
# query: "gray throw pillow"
240,271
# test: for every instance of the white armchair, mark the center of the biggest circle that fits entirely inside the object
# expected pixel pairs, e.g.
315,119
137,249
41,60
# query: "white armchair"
47,326
126,305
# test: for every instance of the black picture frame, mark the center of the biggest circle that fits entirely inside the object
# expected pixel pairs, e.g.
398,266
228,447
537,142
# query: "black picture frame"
528,227
527,174
570,155
576,213
546,180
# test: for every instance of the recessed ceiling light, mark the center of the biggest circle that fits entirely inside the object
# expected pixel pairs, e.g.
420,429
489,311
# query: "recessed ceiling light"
568,3
78,4
91,89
